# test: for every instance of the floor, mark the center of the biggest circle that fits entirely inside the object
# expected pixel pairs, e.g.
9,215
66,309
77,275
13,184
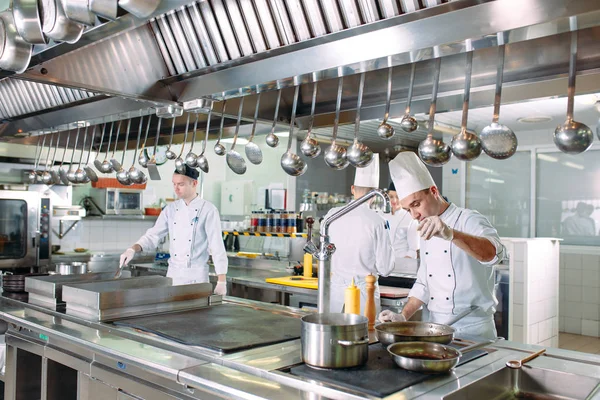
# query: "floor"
585,344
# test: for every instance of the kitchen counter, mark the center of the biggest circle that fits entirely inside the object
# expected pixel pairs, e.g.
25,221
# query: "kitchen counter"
259,373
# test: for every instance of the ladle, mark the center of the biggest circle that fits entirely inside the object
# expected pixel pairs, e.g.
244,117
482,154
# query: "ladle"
498,141
191,159
572,137
180,162
33,173
46,176
291,162
55,176
89,171
97,162
385,130
432,151
170,154
113,161
309,146
80,175
106,167
253,151
408,122
219,148
122,173
202,160
234,159
359,154
335,155
135,174
516,364
143,158
465,145
151,164
71,173
61,172
272,139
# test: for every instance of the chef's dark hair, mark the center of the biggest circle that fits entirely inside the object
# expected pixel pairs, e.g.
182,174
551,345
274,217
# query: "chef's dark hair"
189,172
392,187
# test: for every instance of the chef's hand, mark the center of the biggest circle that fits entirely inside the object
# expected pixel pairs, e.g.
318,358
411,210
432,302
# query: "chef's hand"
434,226
390,316
221,288
127,256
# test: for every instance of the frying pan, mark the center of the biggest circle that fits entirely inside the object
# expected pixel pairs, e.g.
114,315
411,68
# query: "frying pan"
429,357
417,331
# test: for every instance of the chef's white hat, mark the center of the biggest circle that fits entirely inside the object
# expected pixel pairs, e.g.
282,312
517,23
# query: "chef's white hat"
368,176
409,174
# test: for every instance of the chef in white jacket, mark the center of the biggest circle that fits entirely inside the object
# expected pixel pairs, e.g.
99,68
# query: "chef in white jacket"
194,229
362,242
459,248
403,229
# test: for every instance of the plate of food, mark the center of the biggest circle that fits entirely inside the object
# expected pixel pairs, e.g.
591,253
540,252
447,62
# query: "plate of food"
80,250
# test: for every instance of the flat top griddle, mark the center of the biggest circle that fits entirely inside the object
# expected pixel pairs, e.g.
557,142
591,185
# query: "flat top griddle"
223,327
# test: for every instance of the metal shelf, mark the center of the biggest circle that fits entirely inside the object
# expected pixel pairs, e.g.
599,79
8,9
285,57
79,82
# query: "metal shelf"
122,217
292,235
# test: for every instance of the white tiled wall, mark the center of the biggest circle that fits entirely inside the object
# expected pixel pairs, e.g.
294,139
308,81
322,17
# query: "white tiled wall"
579,292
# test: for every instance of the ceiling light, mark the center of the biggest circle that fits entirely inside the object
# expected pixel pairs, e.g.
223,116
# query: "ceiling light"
534,119
478,168
239,141
492,180
546,157
587,99
283,134
597,106
573,165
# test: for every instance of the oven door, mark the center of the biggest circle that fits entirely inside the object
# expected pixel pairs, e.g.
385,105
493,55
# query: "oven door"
19,228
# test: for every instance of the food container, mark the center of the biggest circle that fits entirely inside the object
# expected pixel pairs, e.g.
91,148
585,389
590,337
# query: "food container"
70,269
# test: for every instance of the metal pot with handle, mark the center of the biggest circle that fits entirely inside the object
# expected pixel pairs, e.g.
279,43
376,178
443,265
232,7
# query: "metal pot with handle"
335,340
417,331
71,269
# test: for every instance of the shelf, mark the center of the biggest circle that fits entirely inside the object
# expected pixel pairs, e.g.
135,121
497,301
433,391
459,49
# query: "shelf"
292,235
122,217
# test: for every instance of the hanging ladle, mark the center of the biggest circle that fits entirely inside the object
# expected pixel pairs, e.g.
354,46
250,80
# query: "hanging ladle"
89,171
106,167
516,364
55,176
61,172
143,157
465,145
135,174
385,130
202,159
170,154
219,148
46,176
432,151
33,173
572,137
180,162
335,155
272,139
80,175
122,173
191,159
97,162
71,173
234,159
359,154
309,146
408,122
497,140
291,162
253,151
113,161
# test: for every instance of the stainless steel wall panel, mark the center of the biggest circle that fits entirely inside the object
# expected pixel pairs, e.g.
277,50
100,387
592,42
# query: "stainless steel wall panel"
267,23
409,6
282,21
163,48
202,35
12,94
239,27
314,17
368,10
25,98
225,28
191,38
333,18
35,94
389,8
181,42
167,34
256,35
213,30
299,22
56,97
350,13
11,107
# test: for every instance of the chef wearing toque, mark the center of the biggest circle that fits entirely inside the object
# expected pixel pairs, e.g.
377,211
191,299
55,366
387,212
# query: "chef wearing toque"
194,229
459,248
362,242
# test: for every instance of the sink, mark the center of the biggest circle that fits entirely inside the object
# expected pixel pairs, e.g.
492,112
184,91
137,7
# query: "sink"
528,383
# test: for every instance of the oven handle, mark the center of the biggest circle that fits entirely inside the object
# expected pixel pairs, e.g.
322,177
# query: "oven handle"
36,244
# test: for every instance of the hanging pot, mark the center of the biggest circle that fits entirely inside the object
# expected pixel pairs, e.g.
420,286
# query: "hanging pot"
15,53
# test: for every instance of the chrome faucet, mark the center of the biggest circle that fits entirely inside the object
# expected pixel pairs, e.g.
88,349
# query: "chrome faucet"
326,249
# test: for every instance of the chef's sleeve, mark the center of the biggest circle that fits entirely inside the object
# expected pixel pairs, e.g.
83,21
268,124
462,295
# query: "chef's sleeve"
149,241
216,247
420,290
384,252
412,237
478,225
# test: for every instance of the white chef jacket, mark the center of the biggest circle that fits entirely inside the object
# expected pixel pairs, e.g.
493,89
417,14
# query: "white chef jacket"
194,232
363,247
450,281
403,232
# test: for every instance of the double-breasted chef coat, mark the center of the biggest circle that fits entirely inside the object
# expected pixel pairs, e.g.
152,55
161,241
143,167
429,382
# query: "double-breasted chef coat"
363,247
194,233
450,281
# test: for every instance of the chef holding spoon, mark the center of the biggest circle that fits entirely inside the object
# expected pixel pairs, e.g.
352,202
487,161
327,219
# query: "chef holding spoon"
194,228
459,248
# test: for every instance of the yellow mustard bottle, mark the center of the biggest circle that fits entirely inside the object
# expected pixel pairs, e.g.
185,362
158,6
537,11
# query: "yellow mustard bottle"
352,299
308,265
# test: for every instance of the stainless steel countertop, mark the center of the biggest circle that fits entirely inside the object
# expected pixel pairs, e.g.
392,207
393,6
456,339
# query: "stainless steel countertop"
259,372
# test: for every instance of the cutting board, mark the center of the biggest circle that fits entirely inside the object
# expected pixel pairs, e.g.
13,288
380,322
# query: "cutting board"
295,281
393,292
